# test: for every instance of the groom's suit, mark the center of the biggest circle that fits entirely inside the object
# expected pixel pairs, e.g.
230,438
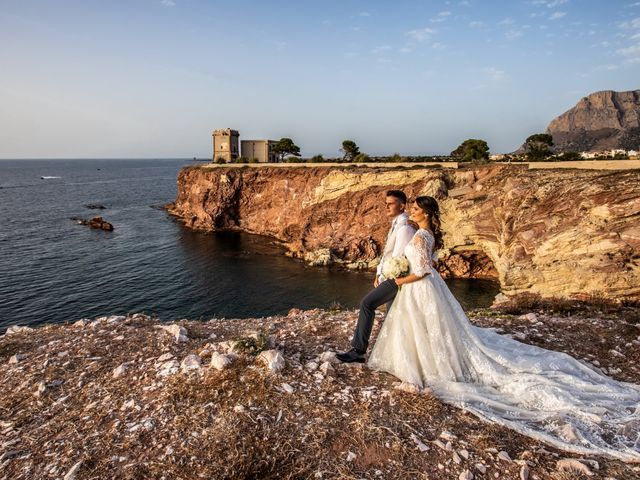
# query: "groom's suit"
399,236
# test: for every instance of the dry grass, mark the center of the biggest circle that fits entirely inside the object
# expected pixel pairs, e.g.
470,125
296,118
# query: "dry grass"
240,423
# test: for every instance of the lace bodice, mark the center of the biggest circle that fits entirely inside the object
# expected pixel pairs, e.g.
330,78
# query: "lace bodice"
419,252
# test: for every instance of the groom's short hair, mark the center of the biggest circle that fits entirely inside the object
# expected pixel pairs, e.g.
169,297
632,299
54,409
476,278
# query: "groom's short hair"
399,194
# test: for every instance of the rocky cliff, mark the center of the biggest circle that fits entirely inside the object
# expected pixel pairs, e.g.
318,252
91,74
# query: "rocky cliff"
601,121
551,232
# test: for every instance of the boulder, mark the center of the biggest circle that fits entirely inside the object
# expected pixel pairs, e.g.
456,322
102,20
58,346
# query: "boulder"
273,360
178,333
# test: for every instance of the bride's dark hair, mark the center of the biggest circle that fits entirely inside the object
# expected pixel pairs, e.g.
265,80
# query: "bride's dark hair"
430,206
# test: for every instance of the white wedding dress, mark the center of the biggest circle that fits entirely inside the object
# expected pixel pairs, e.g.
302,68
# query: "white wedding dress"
428,340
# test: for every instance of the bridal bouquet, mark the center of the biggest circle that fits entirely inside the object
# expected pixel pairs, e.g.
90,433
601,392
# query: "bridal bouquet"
395,267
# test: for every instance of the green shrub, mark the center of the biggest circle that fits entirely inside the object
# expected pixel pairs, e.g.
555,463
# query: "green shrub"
252,346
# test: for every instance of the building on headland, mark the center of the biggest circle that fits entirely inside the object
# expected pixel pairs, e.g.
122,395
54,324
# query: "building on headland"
260,150
225,144
609,153
227,148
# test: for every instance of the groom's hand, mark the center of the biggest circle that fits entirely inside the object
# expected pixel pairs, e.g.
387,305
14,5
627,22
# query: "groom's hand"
376,282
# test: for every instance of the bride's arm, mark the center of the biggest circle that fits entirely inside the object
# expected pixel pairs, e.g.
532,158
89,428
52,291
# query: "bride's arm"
422,264
409,279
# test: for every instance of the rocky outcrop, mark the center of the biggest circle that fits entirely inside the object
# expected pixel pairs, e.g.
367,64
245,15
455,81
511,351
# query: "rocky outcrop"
552,232
602,121
117,397
98,223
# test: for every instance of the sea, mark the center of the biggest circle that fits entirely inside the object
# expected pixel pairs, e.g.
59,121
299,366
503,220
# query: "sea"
52,269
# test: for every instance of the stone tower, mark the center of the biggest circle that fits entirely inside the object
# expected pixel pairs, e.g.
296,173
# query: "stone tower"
225,144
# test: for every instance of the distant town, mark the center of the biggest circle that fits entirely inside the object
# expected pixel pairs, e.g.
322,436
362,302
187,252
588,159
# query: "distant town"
228,148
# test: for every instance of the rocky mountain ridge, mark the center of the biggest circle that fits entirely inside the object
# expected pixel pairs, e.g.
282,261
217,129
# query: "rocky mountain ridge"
600,121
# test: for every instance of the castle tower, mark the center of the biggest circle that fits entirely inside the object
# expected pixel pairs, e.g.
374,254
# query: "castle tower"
225,144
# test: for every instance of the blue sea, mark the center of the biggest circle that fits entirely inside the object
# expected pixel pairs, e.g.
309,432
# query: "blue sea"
54,270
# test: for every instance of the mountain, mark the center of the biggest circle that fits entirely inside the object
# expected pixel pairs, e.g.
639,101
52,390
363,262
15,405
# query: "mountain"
601,121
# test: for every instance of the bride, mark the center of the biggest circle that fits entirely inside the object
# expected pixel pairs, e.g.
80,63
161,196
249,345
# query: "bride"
427,340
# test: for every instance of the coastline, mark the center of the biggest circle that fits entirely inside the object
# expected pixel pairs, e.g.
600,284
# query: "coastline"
552,232
124,397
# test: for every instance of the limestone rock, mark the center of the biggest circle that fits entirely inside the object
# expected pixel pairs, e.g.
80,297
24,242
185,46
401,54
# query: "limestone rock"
504,456
273,360
190,363
407,387
220,361
328,356
327,369
170,367
465,475
287,388
17,358
178,333
572,465
120,370
71,474
13,329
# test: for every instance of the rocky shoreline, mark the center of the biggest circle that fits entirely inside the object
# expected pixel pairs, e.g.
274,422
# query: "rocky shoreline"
570,233
132,397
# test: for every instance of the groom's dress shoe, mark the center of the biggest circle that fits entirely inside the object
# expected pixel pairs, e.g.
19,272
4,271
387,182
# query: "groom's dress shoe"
351,356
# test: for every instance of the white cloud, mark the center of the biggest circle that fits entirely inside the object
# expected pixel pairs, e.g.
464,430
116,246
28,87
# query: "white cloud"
494,73
555,3
168,3
513,34
630,24
557,15
549,3
421,34
381,49
632,5
608,67
365,14
506,21
441,17
631,53
438,46
476,24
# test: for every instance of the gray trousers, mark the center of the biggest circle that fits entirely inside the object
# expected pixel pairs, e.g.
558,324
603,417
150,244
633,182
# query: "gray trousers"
383,293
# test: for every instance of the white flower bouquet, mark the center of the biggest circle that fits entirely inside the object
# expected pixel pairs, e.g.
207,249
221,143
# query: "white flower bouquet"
395,267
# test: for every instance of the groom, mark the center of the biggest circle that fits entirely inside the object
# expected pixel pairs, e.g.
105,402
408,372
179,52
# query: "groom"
384,290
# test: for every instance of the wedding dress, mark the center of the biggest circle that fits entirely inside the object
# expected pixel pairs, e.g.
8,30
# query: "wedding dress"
428,340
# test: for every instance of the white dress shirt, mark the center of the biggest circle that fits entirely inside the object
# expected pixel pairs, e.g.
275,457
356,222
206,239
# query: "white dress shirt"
399,236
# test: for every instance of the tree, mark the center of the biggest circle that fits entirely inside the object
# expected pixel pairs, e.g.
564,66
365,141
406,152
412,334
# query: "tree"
350,150
472,149
538,146
284,147
362,158
569,156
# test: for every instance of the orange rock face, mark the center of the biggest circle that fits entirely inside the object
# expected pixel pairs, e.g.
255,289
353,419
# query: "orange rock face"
552,232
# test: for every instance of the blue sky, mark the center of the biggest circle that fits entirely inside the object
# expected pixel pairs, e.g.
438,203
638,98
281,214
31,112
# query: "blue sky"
152,78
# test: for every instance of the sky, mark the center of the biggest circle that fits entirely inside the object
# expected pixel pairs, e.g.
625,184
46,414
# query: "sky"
153,78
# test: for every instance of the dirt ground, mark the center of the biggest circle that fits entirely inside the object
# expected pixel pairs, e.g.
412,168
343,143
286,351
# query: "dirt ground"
114,397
